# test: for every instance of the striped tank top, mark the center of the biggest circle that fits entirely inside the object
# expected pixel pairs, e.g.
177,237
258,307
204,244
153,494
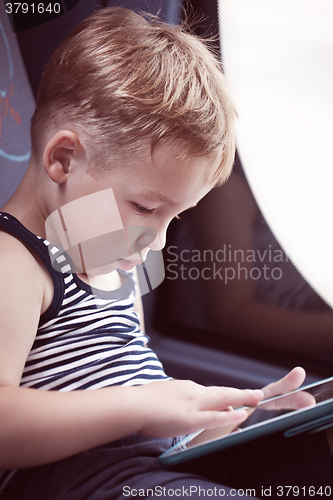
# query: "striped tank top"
87,339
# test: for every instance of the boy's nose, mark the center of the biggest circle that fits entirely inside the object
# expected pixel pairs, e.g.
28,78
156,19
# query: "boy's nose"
151,239
158,243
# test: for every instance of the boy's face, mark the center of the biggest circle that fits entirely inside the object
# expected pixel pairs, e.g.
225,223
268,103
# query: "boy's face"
145,195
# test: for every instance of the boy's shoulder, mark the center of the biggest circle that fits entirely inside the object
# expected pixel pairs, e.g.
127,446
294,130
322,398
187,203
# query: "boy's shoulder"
21,268
21,301
12,249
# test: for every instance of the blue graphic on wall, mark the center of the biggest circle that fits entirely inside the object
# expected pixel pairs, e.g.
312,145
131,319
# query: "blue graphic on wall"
7,111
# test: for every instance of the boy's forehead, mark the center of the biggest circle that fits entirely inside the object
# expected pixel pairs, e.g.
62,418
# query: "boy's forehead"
170,157
167,174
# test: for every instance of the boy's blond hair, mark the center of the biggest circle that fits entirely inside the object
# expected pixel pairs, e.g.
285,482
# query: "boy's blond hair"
120,77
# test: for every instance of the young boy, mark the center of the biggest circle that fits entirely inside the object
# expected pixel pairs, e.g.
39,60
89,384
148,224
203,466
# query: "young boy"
139,115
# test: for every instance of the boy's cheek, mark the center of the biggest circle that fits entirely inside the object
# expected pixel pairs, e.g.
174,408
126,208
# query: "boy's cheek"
124,248
91,231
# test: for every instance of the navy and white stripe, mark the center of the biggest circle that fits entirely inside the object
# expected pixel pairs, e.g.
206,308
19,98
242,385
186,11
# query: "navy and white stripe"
87,339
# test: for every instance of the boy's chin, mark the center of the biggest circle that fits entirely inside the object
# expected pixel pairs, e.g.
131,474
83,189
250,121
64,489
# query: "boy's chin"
127,265
123,264
103,270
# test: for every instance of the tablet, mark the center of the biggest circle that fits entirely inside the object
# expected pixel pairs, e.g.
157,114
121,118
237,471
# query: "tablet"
308,409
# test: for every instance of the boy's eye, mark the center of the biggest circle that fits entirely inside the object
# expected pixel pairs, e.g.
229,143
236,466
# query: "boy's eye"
143,210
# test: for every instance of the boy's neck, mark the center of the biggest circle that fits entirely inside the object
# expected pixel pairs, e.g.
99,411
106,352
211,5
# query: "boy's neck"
26,203
31,213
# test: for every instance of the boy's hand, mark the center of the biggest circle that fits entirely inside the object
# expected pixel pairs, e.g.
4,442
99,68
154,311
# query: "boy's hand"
174,408
181,407
289,383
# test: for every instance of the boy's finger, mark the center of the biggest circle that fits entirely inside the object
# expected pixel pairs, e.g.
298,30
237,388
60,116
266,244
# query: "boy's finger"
212,419
289,383
222,398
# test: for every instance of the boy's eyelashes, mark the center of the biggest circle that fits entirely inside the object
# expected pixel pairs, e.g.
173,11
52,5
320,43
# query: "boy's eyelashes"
147,211
143,210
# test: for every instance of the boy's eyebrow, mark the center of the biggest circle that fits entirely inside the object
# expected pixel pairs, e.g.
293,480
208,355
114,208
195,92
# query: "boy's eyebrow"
154,196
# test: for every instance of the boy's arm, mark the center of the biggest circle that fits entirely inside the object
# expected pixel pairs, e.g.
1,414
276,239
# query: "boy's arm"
43,426
21,302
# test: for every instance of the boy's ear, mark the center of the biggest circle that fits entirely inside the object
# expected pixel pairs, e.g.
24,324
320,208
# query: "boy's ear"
61,151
